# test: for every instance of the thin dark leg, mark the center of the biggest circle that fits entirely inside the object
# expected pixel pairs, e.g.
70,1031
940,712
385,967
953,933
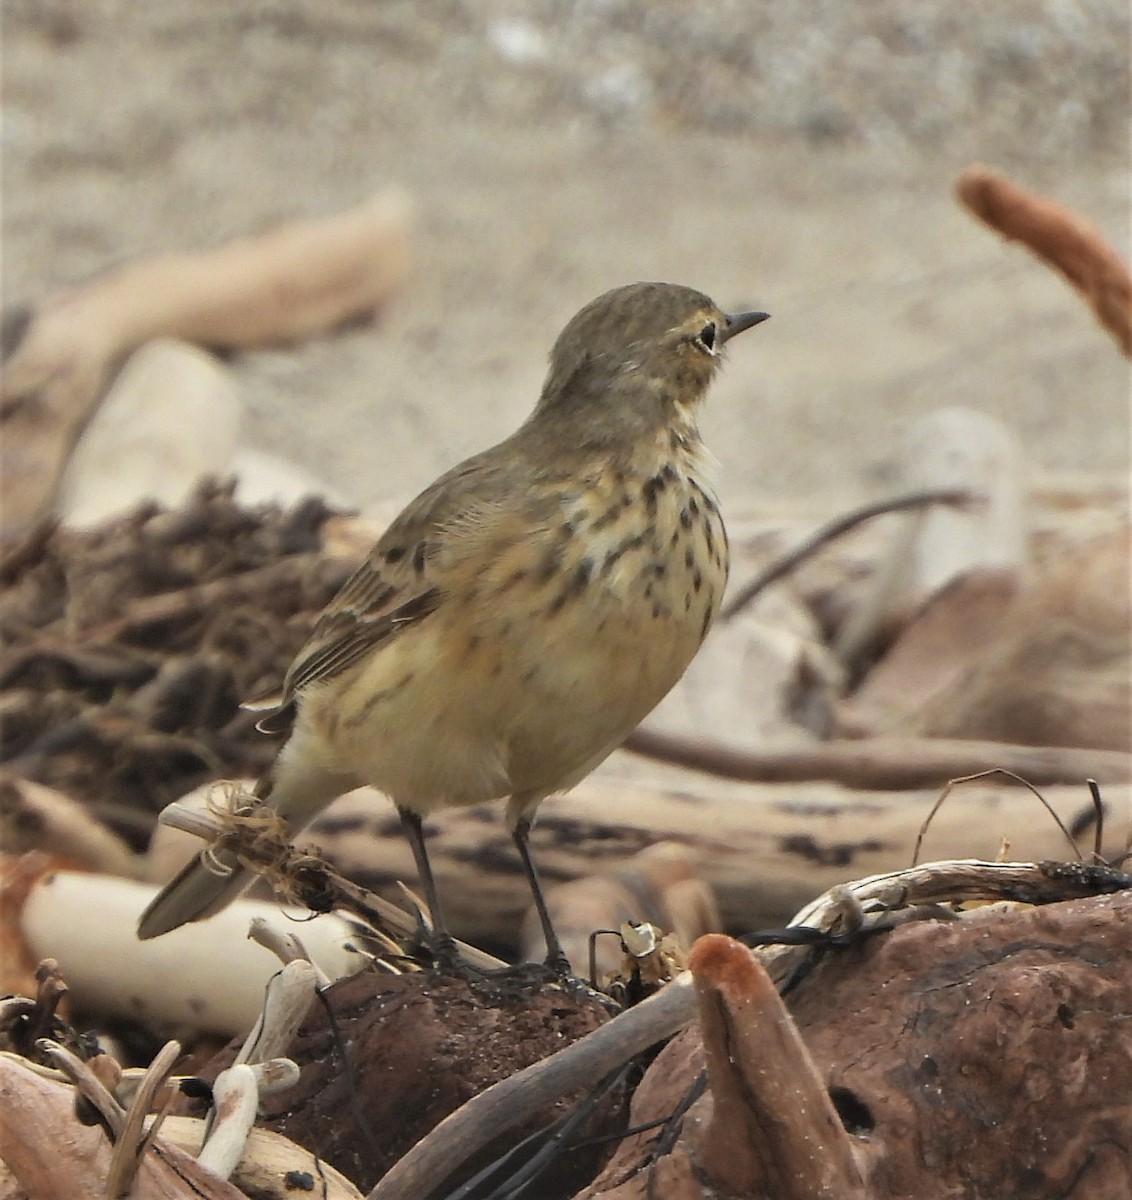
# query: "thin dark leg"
443,947
554,956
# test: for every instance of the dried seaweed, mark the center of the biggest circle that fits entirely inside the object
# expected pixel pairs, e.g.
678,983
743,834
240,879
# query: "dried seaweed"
127,648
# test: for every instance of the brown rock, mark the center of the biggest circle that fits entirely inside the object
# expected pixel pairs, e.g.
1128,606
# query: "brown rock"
987,1058
404,1051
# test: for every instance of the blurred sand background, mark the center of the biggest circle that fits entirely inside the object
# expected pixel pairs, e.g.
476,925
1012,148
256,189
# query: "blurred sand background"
795,157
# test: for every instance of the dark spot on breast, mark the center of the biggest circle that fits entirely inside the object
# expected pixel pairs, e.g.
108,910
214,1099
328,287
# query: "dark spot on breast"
656,611
551,562
648,591
576,585
473,643
395,554
706,624
419,555
670,473
652,488
689,559
659,569
611,514
630,543
516,577
709,537
697,579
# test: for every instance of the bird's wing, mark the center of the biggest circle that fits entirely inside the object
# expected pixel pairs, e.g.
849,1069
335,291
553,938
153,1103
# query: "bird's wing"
402,580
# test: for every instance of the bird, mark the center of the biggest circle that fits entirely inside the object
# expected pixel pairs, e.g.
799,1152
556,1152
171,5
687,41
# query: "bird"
522,615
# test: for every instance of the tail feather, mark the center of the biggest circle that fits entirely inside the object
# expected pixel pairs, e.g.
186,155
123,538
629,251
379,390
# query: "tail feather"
195,892
297,787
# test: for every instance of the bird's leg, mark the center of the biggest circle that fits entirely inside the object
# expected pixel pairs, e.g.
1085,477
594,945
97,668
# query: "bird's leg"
440,942
555,958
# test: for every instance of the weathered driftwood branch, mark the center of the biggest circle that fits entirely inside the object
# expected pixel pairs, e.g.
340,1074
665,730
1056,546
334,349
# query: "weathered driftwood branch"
836,528
205,976
37,1118
1060,238
301,278
765,850
885,762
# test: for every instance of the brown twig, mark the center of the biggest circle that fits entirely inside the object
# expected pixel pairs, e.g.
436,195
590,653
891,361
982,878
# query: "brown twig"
833,530
1060,238
882,763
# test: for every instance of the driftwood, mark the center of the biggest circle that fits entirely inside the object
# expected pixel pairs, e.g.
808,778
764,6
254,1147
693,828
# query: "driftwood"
884,762
171,416
208,977
304,277
52,1157
765,851
139,1155
943,546
1060,238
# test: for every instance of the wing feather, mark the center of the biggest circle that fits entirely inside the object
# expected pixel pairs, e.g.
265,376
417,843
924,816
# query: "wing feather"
402,580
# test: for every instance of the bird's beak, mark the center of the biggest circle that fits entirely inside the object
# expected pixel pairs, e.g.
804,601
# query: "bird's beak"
737,322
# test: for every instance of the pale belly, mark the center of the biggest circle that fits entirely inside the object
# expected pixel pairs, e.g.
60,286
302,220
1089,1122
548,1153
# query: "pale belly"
526,677
434,722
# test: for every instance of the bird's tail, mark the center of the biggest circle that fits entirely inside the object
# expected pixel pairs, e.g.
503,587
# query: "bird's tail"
207,883
197,891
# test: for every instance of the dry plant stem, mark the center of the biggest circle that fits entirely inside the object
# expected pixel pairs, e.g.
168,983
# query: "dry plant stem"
133,1140
829,533
87,1083
953,783
286,946
288,999
303,277
187,603
884,762
1060,238
773,1129
510,1101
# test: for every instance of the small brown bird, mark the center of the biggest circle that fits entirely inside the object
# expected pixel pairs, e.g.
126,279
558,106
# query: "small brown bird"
526,611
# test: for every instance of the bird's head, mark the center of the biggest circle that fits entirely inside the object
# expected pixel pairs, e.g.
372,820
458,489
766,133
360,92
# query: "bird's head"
639,355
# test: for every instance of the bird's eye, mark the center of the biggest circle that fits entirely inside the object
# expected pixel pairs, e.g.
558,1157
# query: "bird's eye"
706,337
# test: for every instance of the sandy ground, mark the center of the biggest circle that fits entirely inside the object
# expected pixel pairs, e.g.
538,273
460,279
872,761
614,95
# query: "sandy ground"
800,163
